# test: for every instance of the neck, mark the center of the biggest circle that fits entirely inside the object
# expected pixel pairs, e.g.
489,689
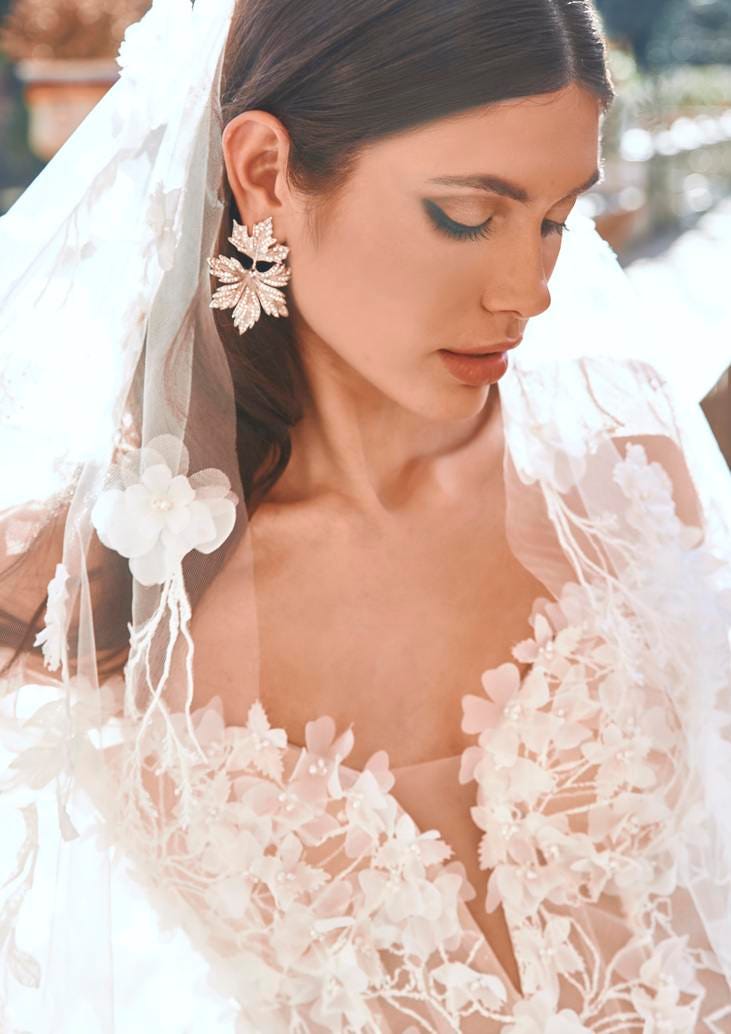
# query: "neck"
355,443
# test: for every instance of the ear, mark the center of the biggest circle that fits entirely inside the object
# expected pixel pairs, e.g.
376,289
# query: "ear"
256,149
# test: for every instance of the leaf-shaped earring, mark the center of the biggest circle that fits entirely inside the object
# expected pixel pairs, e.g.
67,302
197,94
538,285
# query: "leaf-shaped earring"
254,285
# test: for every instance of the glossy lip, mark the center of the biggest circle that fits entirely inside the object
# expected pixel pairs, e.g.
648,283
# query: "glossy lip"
502,346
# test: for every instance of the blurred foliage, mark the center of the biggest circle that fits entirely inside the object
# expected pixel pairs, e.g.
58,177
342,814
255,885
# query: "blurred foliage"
71,29
653,100
694,33
18,165
663,33
633,21
670,90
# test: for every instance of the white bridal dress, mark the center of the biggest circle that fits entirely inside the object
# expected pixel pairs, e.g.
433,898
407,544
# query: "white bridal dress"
164,870
314,896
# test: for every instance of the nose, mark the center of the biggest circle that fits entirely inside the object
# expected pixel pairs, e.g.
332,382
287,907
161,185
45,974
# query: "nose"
518,280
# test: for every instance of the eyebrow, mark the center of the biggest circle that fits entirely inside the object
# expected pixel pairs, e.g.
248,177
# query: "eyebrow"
497,185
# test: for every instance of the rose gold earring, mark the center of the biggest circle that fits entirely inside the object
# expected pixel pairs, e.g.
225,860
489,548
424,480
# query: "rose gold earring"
249,288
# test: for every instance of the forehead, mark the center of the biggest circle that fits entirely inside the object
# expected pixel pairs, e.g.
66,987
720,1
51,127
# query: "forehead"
542,140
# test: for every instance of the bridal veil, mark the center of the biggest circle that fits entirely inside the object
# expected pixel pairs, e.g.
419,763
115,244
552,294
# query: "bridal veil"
118,441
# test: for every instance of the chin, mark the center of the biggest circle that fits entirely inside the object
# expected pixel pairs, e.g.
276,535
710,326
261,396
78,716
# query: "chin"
451,402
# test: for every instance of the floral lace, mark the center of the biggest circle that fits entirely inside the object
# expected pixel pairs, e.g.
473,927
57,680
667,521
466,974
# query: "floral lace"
320,905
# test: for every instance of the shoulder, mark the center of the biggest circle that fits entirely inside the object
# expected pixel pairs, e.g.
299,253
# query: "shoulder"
630,401
661,436
669,455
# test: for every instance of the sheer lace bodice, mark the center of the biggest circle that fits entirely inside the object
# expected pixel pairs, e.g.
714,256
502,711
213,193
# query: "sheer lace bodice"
324,897
431,793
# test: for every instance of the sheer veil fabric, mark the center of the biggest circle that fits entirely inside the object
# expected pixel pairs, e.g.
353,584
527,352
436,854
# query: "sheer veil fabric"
160,868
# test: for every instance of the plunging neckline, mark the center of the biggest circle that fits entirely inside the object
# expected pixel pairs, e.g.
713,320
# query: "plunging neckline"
456,827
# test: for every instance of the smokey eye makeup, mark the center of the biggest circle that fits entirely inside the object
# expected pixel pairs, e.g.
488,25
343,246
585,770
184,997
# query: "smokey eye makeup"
458,231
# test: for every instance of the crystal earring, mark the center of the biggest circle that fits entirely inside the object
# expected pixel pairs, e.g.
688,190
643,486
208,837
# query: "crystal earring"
254,285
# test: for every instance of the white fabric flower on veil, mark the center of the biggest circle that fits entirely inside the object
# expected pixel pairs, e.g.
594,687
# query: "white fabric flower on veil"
51,636
161,514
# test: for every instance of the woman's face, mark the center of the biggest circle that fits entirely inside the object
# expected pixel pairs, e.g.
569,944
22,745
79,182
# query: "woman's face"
405,265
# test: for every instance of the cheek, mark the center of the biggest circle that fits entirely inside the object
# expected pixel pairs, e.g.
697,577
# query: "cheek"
453,279
367,284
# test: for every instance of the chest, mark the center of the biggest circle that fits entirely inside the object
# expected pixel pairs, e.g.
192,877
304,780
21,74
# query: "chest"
386,630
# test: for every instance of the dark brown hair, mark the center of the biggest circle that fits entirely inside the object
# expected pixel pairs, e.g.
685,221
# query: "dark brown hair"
339,74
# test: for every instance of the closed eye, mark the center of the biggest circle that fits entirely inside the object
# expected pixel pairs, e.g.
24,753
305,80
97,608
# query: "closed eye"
458,231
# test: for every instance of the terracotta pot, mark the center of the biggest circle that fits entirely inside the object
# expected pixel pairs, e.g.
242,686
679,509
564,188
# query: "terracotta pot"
60,94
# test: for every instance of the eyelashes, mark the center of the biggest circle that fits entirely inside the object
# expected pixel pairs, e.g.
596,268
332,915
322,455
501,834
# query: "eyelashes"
457,231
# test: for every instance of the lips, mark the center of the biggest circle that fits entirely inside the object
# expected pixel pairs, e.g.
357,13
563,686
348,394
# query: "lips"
501,346
474,369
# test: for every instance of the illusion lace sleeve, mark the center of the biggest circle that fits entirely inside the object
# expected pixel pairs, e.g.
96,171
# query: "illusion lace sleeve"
600,775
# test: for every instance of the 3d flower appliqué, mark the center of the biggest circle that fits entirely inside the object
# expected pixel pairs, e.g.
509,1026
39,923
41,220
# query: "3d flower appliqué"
160,514
161,214
52,635
539,1015
146,97
254,286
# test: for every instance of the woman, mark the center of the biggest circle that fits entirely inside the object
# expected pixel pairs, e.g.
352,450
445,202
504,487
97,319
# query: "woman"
385,667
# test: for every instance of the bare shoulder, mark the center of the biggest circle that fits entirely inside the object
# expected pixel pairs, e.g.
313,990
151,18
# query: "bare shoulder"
663,450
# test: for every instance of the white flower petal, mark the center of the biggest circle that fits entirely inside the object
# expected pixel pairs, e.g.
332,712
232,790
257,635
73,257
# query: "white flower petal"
166,448
157,479
223,514
177,521
180,491
210,481
156,566
199,528
122,522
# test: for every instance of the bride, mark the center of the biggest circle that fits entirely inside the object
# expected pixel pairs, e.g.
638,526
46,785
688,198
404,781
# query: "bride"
389,620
